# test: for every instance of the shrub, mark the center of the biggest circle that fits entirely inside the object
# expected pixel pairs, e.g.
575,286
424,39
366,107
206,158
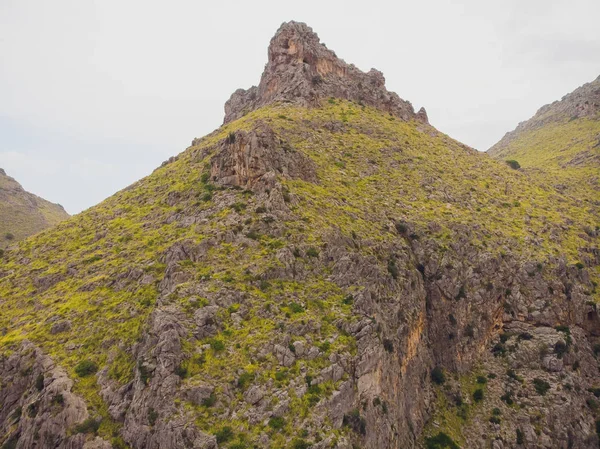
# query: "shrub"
401,228
461,293
469,331
393,269
90,425
238,207
152,416
85,368
209,401
507,397
494,420
217,345
440,441
481,380
513,164
438,376
296,308
520,436
355,422
11,443
39,382
478,395
499,349
298,443
388,345
245,380
224,435
513,375
9,236
32,409
58,399
231,137
312,252
145,373
541,386
181,371
560,348
325,346
277,423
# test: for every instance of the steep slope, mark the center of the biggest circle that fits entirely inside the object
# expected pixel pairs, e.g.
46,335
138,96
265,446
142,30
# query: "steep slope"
293,278
560,144
22,213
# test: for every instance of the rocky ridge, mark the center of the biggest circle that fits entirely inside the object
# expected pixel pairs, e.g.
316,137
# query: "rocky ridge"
303,71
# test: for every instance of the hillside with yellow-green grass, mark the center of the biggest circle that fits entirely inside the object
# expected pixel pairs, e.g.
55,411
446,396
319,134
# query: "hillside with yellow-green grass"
23,214
560,144
325,270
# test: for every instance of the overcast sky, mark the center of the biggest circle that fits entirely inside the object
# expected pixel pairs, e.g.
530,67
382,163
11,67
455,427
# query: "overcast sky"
96,94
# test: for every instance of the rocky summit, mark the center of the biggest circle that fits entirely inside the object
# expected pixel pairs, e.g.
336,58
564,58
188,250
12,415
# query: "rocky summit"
303,71
22,213
325,270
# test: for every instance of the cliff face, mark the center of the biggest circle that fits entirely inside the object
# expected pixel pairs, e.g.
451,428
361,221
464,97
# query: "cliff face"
22,213
317,273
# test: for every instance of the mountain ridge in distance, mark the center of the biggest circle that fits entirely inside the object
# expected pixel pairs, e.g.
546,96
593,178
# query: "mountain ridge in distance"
22,213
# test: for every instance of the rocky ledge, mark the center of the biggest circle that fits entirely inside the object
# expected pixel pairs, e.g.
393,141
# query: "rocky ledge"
304,71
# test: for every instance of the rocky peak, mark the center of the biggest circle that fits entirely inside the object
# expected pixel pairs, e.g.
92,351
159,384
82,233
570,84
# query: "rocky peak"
302,70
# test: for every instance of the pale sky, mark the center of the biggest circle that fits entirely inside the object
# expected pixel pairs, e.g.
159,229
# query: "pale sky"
96,94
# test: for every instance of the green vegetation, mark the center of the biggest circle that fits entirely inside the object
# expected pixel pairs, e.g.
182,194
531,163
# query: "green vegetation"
102,269
541,386
513,164
438,376
85,368
440,441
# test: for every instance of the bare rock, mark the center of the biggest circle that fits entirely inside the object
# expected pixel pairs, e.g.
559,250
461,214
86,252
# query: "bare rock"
302,70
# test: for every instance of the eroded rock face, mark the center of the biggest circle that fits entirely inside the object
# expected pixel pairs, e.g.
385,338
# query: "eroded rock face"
39,408
254,159
302,70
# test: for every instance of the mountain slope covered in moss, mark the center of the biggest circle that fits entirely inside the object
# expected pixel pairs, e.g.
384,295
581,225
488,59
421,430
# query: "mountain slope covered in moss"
326,270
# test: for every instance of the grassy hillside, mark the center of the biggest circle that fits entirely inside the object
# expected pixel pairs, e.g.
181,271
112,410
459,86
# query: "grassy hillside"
560,145
102,270
22,213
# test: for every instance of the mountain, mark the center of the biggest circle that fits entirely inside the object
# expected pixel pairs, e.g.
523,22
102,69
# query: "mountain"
325,270
22,213
561,143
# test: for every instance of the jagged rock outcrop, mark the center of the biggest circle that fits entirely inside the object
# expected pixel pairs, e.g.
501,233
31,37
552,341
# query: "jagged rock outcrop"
301,70
39,408
250,159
